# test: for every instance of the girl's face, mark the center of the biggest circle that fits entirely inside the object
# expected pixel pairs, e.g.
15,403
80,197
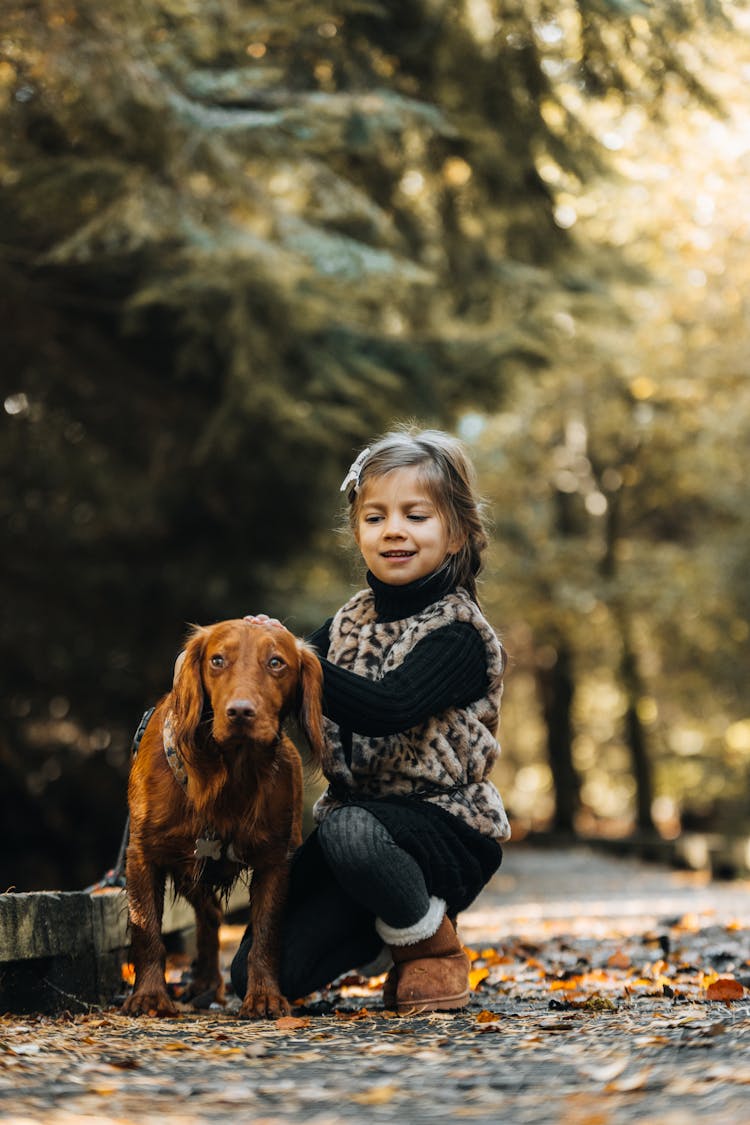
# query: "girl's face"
400,532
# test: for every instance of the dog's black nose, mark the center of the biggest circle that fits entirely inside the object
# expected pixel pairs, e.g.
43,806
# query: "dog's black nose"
239,709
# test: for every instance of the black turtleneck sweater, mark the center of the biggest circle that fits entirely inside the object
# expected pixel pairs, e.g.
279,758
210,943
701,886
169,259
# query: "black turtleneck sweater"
448,668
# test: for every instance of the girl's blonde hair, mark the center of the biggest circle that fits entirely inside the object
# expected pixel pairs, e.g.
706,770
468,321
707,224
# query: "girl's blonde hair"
450,481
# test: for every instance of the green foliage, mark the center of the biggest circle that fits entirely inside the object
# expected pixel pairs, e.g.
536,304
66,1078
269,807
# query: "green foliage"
239,239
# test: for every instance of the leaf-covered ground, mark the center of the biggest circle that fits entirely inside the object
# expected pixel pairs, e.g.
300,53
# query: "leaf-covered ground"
603,1014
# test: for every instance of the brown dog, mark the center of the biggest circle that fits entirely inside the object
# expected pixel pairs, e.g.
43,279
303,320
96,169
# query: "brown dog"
214,788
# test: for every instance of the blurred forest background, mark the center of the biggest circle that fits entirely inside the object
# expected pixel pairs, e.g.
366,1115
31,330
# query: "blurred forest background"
238,240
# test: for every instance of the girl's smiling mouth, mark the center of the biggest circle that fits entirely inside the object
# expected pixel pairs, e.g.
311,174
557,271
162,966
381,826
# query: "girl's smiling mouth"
397,554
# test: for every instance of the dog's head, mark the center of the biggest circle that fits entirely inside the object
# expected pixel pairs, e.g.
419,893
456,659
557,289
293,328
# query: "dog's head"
242,679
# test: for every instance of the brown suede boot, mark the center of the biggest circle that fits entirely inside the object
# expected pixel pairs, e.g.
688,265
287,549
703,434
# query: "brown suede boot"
433,974
390,986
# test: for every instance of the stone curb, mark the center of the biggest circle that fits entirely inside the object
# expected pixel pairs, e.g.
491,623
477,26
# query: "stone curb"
65,950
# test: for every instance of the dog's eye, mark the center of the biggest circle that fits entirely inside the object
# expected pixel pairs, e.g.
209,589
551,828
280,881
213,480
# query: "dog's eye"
217,661
276,662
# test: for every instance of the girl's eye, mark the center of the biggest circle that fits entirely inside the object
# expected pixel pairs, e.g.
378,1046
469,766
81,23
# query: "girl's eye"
218,661
276,662
418,518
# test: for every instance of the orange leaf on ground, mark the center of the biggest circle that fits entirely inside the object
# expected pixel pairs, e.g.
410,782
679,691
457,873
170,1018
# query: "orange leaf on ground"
291,1023
535,963
485,1016
569,985
492,956
725,988
619,960
476,976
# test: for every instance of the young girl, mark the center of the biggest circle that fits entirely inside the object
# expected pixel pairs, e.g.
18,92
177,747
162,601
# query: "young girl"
408,831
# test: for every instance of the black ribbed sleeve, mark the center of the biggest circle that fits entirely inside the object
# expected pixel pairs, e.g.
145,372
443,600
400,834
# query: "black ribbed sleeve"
448,668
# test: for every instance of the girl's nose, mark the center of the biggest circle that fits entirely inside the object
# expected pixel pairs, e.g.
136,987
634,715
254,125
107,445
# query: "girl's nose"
393,526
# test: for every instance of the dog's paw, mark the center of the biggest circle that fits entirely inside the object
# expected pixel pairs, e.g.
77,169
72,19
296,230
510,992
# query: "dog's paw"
151,1003
264,1006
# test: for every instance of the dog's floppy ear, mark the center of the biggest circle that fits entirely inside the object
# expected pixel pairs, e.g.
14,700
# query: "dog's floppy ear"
187,693
310,699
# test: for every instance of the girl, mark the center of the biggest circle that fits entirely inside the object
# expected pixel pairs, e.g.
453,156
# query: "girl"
408,831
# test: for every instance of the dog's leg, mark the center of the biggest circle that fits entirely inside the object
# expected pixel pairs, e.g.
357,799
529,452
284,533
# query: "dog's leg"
263,998
208,915
145,905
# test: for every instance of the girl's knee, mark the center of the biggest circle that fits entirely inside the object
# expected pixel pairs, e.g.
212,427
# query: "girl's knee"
348,834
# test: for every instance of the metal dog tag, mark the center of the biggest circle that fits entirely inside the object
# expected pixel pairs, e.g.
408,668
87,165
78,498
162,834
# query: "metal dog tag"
207,847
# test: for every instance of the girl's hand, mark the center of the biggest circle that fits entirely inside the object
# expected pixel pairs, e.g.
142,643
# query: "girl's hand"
262,619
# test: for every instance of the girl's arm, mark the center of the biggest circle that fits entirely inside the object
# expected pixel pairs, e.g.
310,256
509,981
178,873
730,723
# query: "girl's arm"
448,668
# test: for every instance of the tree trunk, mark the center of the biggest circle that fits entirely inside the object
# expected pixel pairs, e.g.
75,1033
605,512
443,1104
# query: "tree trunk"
635,732
556,687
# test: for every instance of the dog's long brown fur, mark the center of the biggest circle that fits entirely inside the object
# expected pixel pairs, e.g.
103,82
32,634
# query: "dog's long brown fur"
244,780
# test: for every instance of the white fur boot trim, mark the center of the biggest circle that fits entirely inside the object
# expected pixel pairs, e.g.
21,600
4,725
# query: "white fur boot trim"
425,927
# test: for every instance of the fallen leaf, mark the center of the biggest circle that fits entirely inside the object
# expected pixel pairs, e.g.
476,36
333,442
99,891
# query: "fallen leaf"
619,960
291,1023
376,1095
476,976
486,1016
590,1004
725,988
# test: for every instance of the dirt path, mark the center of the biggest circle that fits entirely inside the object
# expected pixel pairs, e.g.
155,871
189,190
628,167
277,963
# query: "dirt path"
593,1004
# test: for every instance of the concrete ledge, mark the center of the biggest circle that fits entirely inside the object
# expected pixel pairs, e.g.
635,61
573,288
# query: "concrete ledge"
64,950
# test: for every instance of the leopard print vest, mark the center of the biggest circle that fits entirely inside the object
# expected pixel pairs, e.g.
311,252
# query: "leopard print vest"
447,759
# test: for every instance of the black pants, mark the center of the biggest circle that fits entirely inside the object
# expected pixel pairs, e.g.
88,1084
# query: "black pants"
329,930
325,932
